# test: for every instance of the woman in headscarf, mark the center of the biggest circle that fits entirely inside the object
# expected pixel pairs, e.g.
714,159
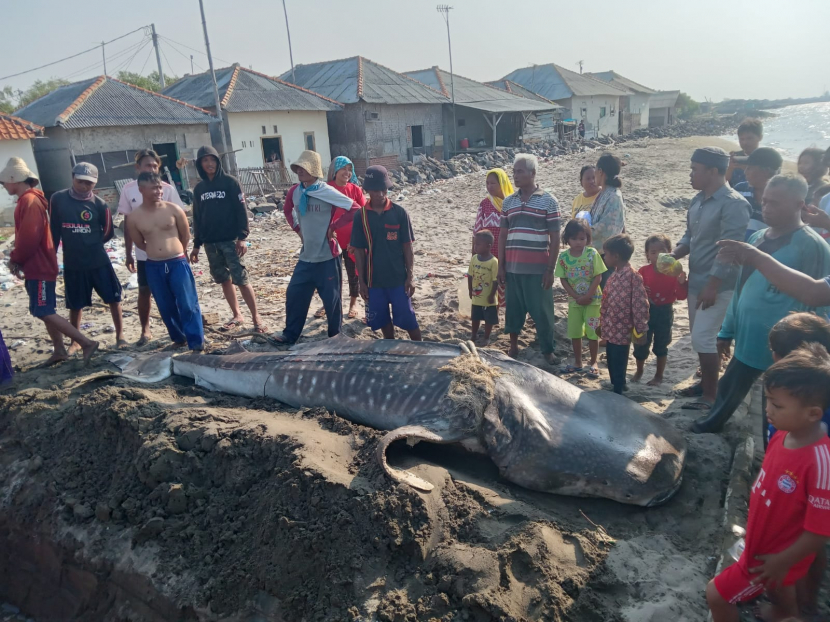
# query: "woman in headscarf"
489,212
608,211
342,177
585,199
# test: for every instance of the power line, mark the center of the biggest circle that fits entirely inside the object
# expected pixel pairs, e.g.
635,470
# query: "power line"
125,66
96,48
99,63
185,56
169,66
149,54
195,50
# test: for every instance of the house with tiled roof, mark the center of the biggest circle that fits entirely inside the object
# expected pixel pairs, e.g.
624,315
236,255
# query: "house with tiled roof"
387,117
593,101
104,121
16,141
266,119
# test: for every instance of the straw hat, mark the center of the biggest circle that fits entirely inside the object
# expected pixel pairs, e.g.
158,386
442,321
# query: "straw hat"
310,162
15,172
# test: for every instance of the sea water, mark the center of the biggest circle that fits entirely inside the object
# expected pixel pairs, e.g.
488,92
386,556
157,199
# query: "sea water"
794,128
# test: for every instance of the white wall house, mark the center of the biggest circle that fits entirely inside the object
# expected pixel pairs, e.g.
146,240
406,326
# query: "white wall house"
16,136
264,116
600,113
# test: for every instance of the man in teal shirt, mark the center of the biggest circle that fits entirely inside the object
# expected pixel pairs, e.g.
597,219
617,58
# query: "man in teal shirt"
757,304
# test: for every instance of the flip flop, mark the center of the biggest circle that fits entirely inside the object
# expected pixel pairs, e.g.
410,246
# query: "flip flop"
570,369
697,405
261,329
693,391
352,314
231,324
592,372
320,312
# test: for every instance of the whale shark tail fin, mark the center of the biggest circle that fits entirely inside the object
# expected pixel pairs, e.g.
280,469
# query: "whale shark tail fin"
413,434
145,368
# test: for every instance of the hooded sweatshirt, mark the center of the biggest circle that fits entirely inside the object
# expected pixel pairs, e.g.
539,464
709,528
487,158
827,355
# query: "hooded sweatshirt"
33,247
219,211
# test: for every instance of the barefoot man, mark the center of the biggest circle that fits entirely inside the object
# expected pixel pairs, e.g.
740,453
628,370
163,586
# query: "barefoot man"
160,229
34,259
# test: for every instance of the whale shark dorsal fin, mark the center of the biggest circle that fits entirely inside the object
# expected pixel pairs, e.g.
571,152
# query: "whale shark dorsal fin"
235,348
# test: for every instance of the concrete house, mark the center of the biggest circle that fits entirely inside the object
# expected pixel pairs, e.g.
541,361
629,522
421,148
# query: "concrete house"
485,117
662,109
586,99
388,117
16,139
265,118
635,107
104,121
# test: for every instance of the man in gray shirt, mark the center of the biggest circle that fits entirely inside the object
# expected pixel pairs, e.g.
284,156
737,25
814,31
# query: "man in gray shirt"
717,213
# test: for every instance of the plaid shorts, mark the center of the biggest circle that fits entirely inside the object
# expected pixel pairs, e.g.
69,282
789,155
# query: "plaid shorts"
225,263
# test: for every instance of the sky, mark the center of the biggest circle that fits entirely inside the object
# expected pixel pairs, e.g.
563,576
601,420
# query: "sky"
711,49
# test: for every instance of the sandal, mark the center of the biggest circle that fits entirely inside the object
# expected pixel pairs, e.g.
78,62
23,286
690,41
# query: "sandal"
570,369
321,312
696,390
261,329
231,324
592,372
352,314
697,405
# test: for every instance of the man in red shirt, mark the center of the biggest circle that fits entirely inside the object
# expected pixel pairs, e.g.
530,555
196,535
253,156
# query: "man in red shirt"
34,258
789,506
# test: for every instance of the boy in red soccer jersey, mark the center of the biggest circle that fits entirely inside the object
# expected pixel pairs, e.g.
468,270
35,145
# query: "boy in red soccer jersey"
789,506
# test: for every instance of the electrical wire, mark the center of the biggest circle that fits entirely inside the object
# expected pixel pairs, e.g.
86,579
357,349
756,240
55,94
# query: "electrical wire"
116,56
203,53
149,54
97,47
186,57
169,66
125,66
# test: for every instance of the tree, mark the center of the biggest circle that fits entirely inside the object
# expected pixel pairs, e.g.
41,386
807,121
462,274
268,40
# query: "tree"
9,102
686,106
149,82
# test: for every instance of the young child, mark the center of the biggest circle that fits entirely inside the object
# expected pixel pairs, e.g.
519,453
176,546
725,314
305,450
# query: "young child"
482,279
662,291
624,309
580,270
789,504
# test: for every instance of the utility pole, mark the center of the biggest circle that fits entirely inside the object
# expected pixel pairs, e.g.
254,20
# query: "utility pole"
217,101
191,65
290,53
158,56
580,63
104,54
445,9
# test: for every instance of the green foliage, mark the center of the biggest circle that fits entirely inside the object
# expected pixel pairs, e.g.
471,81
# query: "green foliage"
7,100
149,82
686,106
11,101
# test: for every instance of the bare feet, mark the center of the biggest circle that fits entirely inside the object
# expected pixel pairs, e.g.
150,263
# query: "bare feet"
513,352
144,339
352,312
74,348
551,359
655,382
636,377
57,357
89,351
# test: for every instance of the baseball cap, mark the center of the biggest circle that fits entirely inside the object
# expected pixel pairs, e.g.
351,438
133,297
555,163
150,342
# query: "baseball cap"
376,178
765,157
85,171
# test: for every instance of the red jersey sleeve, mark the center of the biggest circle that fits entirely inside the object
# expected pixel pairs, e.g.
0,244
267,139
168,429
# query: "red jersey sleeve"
817,516
288,207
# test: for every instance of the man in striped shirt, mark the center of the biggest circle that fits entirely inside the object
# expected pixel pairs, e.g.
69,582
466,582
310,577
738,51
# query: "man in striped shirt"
527,256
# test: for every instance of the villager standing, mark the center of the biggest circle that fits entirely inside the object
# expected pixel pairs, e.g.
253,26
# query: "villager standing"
319,267
34,258
764,164
813,168
83,223
750,133
581,129
716,213
488,216
528,250
146,160
220,224
608,210
585,199
383,230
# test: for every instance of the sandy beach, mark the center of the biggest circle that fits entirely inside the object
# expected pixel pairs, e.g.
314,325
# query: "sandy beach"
476,548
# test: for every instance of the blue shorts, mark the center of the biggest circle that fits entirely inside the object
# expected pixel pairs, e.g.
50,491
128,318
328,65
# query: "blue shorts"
80,283
42,300
380,299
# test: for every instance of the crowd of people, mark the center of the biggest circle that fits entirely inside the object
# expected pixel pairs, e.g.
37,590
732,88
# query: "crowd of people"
758,265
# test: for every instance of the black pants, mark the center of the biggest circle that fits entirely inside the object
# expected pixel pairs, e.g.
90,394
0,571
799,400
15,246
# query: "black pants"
617,360
660,320
733,387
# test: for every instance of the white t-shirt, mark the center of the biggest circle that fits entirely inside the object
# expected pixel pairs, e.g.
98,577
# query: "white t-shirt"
131,199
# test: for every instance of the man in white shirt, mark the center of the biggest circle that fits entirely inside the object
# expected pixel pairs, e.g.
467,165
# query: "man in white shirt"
146,160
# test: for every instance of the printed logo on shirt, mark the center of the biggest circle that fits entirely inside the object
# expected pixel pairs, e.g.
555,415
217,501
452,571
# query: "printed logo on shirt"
392,235
86,215
820,503
77,227
213,194
787,484
41,294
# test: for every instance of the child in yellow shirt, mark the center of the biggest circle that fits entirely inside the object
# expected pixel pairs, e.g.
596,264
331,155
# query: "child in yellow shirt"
482,279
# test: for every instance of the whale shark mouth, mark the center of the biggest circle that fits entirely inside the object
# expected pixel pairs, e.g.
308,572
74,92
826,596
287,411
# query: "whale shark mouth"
662,498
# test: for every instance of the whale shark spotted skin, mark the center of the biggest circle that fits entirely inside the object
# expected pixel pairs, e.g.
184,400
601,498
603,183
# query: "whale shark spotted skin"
542,432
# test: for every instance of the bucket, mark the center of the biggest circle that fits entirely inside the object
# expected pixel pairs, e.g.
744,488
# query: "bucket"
465,305
465,143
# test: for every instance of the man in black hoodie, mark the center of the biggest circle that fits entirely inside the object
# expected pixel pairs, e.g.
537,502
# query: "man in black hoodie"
220,223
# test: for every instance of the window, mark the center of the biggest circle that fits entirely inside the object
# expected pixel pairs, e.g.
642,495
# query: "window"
309,141
263,130
601,111
271,149
275,130
584,113
462,123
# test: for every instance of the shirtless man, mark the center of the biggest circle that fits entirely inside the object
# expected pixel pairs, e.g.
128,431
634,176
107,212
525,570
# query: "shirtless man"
160,229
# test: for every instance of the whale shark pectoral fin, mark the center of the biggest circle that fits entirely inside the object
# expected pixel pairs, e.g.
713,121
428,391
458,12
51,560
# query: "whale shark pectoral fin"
412,434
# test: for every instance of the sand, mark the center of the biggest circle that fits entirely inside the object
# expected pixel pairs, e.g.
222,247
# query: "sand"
168,498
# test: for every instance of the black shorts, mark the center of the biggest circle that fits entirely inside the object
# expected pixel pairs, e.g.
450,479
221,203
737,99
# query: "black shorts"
141,272
80,283
490,315
660,321
42,299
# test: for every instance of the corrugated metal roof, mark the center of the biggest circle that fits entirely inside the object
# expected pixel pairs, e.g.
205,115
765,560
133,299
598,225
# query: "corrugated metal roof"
554,82
350,80
663,99
106,102
477,94
15,128
617,80
518,89
245,90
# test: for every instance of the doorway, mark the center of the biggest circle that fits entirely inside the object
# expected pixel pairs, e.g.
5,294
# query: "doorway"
417,136
272,149
169,154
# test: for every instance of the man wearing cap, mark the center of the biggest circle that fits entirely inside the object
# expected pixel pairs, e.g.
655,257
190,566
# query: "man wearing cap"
220,223
717,213
319,267
382,234
83,223
33,258
149,161
761,165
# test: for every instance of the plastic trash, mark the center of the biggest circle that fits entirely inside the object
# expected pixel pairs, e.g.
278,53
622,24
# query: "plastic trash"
109,329
17,344
87,325
7,286
737,549
584,215
133,282
465,305
668,265
6,278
